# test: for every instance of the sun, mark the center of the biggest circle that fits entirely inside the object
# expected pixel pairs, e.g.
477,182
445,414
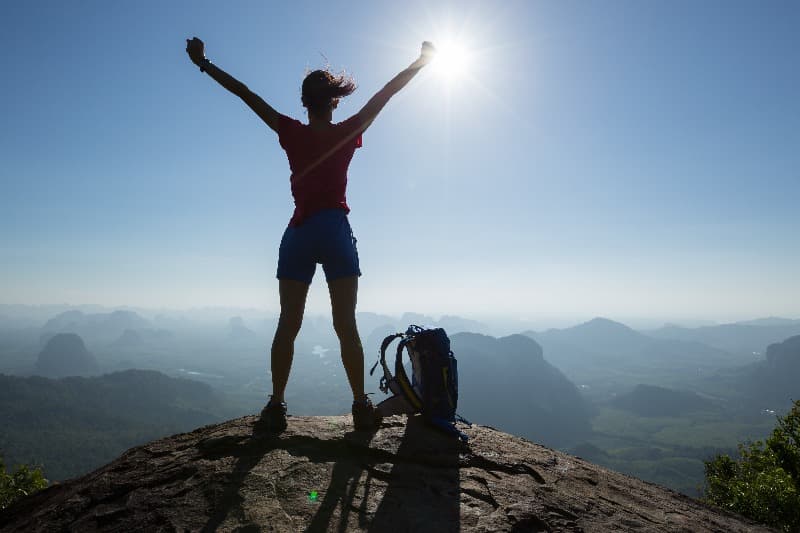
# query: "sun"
451,61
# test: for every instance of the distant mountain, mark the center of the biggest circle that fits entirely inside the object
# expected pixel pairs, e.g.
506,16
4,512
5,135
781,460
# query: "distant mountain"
741,338
97,327
416,318
776,381
598,335
16,316
138,338
508,384
456,324
784,357
367,322
649,400
11,322
65,320
612,355
238,331
130,338
73,425
451,323
770,321
65,355
372,343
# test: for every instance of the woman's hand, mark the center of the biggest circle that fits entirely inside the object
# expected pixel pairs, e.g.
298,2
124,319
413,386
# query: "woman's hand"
426,55
428,50
196,50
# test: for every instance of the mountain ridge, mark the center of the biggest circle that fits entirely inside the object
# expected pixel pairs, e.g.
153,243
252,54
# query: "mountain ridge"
530,396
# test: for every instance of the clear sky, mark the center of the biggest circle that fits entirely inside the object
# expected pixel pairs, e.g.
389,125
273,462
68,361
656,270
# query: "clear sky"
622,158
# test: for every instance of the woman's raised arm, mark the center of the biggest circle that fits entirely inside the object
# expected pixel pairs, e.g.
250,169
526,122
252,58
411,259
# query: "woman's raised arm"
195,49
368,113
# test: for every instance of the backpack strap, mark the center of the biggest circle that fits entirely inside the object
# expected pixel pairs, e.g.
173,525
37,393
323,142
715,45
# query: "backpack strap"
463,420
449,428
387,379
399,383
402,378
395,405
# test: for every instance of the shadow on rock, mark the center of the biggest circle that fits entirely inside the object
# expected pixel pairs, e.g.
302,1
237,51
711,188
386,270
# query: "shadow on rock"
415,488
248,451
338,500
423,485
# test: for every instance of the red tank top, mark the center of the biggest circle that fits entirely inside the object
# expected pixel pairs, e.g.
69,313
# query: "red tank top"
318,159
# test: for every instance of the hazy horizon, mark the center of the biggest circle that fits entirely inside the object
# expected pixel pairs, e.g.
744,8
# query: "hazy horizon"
497,323
637,161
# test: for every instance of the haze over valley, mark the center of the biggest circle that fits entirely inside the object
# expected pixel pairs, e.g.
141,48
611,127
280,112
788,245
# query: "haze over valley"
81,385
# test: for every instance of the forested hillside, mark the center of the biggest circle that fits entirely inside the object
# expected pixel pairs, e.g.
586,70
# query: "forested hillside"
73,425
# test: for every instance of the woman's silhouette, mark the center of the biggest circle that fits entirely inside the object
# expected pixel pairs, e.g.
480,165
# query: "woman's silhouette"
319,154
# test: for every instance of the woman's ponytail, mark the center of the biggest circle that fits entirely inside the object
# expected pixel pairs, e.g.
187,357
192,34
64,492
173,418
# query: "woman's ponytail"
321,90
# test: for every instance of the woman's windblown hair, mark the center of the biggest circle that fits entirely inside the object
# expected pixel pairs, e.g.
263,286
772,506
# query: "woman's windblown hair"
322,90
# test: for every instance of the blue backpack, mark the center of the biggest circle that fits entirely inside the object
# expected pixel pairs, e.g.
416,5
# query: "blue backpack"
433,387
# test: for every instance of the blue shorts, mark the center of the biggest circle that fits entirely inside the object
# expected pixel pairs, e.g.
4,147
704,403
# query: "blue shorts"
326,238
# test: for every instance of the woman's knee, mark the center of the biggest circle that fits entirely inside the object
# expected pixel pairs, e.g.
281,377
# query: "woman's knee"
346,329
288,327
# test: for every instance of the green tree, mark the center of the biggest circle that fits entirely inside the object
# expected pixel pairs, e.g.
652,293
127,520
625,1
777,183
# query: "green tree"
22,481
764,483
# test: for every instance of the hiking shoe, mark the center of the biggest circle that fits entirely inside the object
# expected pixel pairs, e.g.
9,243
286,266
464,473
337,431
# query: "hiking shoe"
273,416
365,416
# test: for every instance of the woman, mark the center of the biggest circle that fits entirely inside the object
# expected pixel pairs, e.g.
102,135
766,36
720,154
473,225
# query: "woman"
319,154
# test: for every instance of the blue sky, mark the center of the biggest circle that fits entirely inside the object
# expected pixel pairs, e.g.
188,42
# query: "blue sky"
624,159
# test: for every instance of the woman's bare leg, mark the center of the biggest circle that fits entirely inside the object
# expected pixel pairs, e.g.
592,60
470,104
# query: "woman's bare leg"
293,303
344,293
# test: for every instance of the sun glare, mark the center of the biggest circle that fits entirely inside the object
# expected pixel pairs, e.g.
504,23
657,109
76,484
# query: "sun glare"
451,61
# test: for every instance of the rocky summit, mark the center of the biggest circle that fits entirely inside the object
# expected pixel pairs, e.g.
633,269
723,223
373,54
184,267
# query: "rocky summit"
320,475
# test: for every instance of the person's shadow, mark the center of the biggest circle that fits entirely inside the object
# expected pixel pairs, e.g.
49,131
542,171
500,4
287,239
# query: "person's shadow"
344,486
249,450
419,485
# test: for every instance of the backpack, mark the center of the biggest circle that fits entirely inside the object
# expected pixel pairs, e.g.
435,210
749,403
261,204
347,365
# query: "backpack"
433,387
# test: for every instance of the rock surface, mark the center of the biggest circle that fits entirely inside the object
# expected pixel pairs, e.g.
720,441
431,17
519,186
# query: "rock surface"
320,475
